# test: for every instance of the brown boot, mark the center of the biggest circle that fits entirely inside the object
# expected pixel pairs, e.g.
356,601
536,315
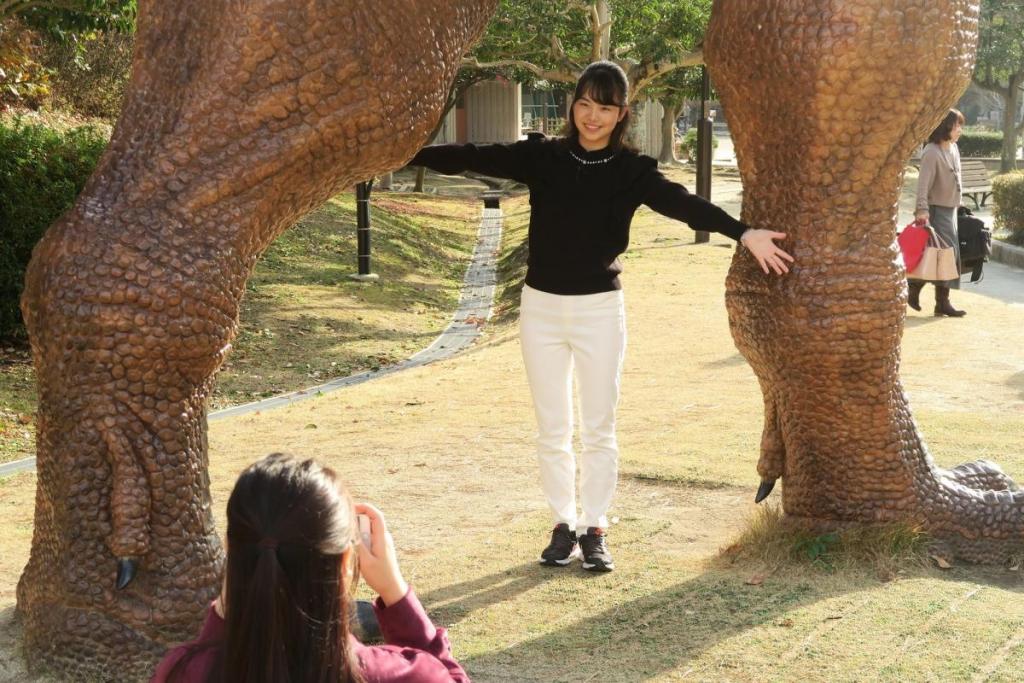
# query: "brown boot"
942,305
914,293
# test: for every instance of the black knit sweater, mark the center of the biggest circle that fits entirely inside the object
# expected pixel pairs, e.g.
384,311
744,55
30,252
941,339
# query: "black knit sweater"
582,204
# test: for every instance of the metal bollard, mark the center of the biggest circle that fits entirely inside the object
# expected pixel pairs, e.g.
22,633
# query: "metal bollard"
363,231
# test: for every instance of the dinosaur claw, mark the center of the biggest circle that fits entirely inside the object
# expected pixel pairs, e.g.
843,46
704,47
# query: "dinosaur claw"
763,490
126,568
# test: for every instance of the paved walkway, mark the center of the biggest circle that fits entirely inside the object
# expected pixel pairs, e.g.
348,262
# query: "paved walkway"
475,307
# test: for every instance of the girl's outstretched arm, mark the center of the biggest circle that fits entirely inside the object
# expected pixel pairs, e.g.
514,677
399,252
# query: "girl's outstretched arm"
514,161
675,201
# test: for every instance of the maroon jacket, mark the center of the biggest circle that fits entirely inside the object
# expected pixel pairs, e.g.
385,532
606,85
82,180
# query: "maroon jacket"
416,651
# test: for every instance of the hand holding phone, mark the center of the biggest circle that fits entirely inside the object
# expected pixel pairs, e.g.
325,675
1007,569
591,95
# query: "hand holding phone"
364,531
378,562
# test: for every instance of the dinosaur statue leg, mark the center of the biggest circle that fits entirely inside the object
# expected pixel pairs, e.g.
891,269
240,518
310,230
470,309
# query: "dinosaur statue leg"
823,125
239,118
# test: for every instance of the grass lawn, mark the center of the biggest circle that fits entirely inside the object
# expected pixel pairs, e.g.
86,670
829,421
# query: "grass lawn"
445,450
303,320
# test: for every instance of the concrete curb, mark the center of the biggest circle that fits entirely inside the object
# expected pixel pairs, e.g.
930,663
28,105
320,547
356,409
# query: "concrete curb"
475,307
1008,254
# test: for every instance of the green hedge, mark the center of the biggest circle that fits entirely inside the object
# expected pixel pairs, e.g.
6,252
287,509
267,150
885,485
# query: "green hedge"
41,172
689,144
981,143
1008,197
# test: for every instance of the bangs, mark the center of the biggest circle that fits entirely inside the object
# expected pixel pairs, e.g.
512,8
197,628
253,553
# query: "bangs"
603,88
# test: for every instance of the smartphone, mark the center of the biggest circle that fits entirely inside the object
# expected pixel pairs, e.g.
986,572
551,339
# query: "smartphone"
364,531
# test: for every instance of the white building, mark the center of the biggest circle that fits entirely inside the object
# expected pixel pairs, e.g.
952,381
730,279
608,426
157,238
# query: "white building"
494,111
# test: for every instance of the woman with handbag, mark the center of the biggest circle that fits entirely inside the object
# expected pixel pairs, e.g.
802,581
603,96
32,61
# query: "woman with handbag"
938,196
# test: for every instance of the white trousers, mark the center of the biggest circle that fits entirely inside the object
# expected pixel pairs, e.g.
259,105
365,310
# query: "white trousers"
557,332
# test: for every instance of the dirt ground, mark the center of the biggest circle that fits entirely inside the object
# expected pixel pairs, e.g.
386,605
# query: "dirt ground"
445,451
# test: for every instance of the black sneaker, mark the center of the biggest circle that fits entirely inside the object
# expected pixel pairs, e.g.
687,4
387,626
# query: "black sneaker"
596,557
562,549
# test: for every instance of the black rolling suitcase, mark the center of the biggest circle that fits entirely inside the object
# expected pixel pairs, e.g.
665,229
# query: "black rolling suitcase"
975,242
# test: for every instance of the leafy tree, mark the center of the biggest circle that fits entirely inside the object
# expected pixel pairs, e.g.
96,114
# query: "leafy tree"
553,40
1000,67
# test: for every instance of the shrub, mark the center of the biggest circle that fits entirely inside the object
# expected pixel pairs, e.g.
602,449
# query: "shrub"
981,143
689,144
1008,197
23,81
89,77
41,172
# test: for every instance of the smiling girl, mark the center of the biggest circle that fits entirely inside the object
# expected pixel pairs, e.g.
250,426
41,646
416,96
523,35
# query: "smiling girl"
584,189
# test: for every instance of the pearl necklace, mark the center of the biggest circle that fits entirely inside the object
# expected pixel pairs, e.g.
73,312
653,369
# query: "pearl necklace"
591,162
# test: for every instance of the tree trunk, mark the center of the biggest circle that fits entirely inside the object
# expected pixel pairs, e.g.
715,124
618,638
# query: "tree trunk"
604,18
131,299
824,340
1008,160
668,130
421,174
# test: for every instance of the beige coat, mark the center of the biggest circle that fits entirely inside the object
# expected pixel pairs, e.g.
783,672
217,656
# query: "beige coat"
939,182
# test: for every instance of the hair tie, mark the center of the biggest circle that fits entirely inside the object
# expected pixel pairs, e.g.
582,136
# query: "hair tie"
268,542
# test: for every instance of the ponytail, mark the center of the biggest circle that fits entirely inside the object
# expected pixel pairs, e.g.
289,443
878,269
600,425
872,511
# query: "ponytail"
289,525
257,622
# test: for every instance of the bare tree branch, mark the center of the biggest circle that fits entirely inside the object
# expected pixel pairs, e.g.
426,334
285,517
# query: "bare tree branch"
642,74
540,72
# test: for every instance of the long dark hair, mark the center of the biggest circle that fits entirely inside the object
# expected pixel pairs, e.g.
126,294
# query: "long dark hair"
289,521
944,131
606,83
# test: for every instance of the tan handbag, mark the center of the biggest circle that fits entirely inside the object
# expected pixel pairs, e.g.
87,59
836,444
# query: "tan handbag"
938,263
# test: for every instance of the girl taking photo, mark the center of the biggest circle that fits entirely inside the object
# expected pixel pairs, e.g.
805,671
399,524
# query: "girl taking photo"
584,189
292,544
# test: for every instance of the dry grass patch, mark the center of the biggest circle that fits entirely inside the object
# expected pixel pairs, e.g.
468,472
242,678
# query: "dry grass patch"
772,543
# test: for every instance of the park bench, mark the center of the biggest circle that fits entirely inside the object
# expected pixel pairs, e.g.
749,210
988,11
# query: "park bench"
975,181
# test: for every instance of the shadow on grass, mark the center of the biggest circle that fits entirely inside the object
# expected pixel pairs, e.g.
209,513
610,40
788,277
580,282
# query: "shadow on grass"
920,320
1017,382
732,361
660,632
644,637
451,604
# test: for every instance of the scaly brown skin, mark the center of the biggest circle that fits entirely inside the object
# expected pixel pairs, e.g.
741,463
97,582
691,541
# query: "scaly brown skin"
826,102
240,117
